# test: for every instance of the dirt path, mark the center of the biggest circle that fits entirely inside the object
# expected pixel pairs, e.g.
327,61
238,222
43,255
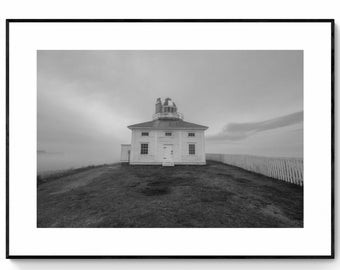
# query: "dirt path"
81,179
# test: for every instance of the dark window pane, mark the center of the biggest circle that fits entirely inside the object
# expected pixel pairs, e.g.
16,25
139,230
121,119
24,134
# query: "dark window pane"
191,149
144,148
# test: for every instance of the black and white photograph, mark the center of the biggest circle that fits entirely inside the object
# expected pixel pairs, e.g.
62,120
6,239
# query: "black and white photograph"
170,139
165,138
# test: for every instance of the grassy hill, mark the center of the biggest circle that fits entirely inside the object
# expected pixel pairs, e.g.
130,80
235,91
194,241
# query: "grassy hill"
215,195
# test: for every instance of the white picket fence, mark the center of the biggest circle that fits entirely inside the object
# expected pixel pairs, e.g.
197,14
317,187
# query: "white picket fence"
286,169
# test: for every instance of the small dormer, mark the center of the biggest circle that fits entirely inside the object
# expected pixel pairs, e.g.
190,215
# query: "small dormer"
166,110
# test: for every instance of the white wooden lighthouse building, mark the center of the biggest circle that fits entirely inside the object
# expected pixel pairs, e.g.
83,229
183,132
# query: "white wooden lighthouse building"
166,140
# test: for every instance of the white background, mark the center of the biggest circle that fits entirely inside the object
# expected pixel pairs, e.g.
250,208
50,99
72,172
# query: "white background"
156,9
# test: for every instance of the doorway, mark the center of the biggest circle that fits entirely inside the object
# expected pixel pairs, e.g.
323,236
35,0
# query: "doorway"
168,155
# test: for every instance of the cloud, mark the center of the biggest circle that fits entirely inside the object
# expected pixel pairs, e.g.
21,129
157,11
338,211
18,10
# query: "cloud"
44,152
240,131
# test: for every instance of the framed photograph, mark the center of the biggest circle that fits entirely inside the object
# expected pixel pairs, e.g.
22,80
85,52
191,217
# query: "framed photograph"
180,138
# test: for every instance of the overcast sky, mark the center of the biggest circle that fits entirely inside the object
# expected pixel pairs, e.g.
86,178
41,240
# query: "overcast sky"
252,101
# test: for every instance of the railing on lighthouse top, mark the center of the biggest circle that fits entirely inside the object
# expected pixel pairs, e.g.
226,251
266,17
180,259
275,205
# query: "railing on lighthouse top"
166,110
168,116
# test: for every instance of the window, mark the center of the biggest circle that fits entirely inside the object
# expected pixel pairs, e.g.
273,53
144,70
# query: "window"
168,134
191,134
191,149
144,149
145,133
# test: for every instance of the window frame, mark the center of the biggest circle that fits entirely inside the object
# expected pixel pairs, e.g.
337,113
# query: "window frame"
190,150
167,132
194,134
142,149
145,132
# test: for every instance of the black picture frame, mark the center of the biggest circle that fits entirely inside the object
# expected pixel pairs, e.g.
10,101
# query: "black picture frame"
15,21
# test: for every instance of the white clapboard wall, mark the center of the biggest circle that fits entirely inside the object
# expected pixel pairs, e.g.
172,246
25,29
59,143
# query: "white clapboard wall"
285,169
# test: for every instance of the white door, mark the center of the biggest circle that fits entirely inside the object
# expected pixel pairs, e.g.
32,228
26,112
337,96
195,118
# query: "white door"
168,153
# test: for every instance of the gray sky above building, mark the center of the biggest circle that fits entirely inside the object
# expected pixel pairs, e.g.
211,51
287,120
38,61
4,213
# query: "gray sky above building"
252,101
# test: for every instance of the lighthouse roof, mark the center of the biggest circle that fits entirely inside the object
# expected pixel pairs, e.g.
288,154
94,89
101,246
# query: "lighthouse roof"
167,124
